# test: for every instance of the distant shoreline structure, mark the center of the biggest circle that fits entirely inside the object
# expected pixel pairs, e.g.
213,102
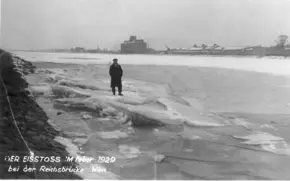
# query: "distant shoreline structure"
247,51
155,54
135,46
139,46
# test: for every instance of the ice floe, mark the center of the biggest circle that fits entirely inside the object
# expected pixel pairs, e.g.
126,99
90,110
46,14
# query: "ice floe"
129,151
267,142
64,91
113,134
258,137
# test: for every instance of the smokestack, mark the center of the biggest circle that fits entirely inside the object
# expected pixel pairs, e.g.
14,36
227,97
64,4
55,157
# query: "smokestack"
132,38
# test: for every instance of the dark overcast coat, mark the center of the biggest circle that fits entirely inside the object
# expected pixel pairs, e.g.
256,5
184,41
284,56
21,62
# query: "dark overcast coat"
116,73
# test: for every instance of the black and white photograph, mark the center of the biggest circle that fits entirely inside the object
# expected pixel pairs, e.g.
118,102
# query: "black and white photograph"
145,89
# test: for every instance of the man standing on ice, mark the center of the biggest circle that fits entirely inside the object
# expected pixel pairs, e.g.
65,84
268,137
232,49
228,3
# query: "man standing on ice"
116,74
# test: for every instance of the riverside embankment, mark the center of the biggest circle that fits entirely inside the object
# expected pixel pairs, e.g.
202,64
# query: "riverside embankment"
31,122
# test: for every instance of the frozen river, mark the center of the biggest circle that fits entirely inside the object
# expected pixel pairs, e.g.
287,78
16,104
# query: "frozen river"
275,65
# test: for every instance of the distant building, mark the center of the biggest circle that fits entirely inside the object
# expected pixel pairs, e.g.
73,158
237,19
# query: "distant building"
271,51
134,46
78,50
232,51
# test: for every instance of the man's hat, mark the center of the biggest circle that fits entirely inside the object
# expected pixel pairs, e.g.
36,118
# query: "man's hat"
115,59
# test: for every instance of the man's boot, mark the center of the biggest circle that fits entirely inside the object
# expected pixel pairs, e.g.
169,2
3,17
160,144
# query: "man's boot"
114,90
120,90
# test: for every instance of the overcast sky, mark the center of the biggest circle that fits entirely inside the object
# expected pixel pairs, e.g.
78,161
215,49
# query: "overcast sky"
40,24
